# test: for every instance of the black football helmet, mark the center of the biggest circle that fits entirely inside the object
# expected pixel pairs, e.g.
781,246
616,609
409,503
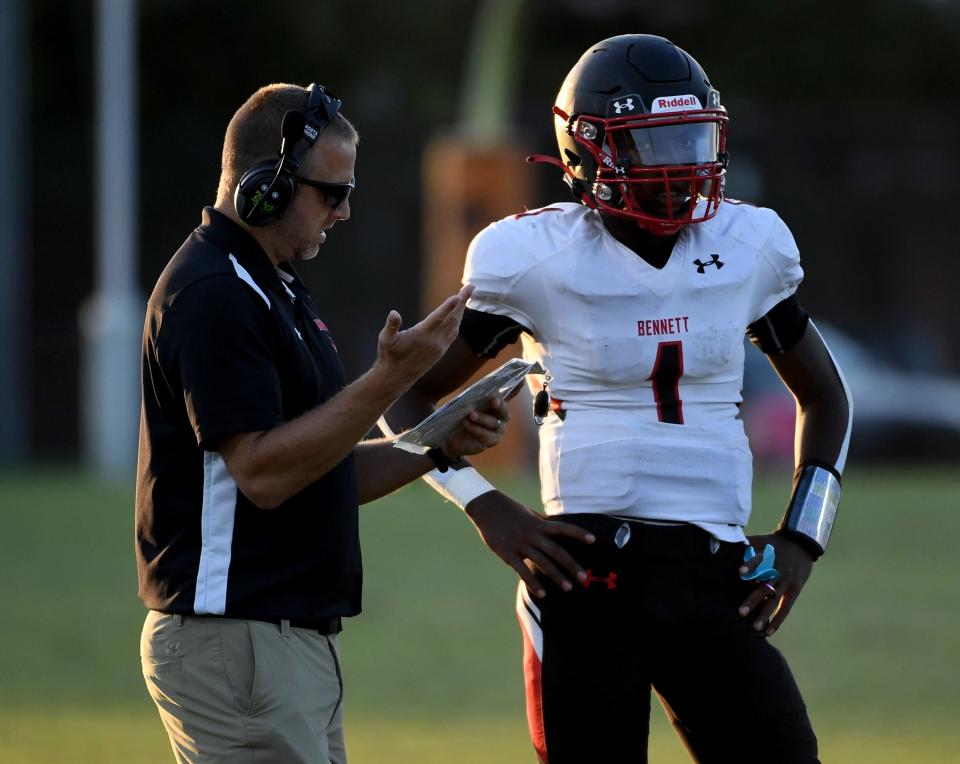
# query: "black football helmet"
642,133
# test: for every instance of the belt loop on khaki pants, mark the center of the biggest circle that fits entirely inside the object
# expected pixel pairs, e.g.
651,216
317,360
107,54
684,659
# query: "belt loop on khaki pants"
285,627
177,619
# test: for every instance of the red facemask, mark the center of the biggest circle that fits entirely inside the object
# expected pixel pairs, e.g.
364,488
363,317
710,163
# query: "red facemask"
663,170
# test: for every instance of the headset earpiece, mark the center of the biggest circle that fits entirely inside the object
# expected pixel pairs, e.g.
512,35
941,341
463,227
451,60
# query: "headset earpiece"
262,195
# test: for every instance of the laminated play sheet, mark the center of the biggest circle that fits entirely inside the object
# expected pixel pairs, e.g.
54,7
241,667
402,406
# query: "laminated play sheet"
499,383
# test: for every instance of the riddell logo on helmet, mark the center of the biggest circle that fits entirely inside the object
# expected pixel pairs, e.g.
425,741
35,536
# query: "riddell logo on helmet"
676,103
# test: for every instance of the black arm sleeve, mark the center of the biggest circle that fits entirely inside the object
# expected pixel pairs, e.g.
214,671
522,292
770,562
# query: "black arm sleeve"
487,334
781,328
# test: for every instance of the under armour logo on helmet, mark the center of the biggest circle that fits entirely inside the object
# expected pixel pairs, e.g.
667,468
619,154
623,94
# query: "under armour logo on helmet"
627,105
715,260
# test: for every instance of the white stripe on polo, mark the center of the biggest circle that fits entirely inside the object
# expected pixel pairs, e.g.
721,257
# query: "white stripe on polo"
244,275
216,530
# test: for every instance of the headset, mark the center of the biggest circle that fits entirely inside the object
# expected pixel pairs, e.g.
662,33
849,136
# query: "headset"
265,190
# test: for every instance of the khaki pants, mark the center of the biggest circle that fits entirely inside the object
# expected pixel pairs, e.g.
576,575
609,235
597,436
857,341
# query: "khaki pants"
233,691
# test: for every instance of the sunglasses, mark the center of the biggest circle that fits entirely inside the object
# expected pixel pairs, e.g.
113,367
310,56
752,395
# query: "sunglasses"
336,193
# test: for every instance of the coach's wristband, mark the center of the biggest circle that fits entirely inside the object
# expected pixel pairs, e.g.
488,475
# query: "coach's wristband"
461,486
812,510
439,459
459,483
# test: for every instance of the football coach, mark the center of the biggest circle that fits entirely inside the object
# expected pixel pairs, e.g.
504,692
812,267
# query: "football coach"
251,466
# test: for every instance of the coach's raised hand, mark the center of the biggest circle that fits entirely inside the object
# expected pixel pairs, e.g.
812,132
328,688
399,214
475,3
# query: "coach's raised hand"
404,355
271,466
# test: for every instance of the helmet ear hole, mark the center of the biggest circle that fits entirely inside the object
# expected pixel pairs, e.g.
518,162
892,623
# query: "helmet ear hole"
573,160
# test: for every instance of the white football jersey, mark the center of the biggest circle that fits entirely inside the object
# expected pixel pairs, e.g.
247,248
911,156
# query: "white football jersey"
648,363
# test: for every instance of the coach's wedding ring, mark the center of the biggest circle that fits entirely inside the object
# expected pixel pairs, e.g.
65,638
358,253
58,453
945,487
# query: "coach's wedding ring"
770,588
499,426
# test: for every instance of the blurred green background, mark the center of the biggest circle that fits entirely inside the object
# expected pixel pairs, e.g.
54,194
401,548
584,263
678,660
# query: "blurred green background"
432,667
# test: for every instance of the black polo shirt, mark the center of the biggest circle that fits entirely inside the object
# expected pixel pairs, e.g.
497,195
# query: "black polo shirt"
233,345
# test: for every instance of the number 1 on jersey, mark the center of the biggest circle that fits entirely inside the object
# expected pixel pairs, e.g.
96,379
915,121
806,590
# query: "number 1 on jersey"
667,370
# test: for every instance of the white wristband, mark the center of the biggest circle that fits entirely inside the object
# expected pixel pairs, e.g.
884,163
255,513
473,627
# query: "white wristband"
459,486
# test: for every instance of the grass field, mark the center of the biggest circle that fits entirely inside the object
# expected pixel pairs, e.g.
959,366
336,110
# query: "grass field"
432,667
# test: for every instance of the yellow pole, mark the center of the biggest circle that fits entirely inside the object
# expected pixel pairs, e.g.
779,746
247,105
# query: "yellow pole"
465,189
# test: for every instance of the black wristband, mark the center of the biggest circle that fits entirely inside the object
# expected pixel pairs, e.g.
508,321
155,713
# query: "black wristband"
807,544
439,458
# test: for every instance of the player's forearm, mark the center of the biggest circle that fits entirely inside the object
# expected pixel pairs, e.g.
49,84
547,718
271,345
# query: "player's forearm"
822,429
824,405
448,374
824,410
824,419
412,407
462,483
382,469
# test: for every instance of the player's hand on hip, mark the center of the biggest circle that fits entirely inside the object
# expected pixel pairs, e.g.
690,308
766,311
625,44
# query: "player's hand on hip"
479,431
525,540
769,604
406,354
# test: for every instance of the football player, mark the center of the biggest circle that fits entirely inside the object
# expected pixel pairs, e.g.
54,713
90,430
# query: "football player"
635,300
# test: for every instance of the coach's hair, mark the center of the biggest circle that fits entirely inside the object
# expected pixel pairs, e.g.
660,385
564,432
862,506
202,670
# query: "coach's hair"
253,135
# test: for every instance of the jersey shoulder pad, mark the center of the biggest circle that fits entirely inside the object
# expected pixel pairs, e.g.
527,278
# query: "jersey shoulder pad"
761,231
513,245
745,222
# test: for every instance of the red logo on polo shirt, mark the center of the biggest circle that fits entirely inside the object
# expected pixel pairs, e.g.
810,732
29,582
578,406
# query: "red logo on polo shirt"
323,328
